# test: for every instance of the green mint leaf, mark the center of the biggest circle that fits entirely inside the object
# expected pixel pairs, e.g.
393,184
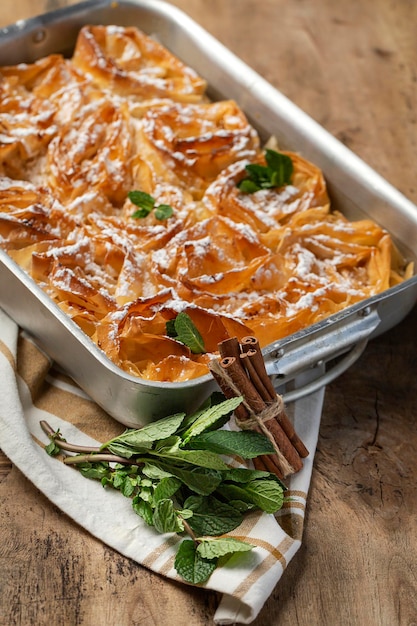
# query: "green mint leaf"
127,470
246,444
209,418
169,445
52,449
200,458
213,400
235,493
140,213
248,186
161,429
146,494
191,566
201,480
166,488
216,548
245,475
125,479
142,439
143,200
121,449
281,165
241,506
170,328
128,487
146,204
260,174
188,334
96,471
163,211
143,509
154,472
277,173
165,517
267,495
211,516
118,480
185,513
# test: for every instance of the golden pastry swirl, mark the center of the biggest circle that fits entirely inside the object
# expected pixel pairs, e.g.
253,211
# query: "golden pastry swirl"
123,114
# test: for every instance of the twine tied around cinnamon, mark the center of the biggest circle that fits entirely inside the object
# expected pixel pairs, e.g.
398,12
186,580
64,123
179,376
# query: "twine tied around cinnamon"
241,371
254,420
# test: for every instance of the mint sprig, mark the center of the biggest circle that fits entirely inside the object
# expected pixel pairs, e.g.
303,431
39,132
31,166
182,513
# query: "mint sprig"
276,173
147,204
183,329
175,474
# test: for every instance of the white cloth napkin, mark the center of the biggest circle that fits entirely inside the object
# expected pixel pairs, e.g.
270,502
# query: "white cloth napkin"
245,582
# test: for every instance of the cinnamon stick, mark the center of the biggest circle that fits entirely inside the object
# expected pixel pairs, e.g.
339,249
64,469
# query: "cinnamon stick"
250,346
268,465
230,347
241,371
242,382
289,430
284,444
291,461
241,411
239,384
245,359
260,465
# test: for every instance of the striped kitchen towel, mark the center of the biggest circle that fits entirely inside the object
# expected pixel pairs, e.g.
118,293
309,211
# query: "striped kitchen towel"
32,389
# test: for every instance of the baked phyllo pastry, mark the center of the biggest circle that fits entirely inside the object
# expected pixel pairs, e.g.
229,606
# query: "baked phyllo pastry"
156,219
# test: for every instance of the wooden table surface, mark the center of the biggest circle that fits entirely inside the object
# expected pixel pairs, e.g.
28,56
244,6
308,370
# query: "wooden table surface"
351,65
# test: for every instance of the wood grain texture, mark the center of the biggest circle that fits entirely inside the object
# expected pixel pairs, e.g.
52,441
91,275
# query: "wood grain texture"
352,66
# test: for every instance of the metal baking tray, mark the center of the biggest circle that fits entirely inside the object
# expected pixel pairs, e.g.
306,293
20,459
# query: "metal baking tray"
354,188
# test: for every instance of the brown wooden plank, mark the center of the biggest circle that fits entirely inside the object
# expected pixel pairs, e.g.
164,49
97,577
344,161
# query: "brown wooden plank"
352,66
5,465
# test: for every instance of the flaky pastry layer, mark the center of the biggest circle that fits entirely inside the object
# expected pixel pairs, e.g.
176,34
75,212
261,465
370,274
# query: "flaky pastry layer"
77,135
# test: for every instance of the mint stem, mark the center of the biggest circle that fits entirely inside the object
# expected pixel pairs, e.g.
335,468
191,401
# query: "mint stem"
64,445
95,458
190,531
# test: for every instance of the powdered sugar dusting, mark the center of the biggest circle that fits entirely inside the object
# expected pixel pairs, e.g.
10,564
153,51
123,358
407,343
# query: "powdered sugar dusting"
123,114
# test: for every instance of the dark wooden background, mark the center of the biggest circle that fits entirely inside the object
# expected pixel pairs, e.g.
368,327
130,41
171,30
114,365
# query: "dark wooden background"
351,65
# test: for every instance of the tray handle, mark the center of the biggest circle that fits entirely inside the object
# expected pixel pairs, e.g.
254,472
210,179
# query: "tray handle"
329,375
347,337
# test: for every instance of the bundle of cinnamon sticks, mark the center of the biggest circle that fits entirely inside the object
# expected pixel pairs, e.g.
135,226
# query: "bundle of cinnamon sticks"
241,371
